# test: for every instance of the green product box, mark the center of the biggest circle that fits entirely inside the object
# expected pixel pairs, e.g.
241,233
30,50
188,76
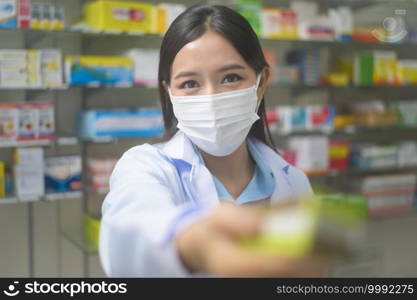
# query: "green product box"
251,10
364,69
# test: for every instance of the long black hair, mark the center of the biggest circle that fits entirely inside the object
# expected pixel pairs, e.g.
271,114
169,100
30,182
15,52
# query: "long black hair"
192,24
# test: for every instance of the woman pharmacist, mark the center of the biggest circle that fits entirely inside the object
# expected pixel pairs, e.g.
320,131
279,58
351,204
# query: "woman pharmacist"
178,208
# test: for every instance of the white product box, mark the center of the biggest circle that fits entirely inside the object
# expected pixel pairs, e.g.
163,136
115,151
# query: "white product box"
28,122
29,172
146,63
46,121
13,68
34,68
51,62
9,123
311,151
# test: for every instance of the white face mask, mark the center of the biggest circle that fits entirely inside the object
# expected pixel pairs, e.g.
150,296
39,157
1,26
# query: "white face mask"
217,123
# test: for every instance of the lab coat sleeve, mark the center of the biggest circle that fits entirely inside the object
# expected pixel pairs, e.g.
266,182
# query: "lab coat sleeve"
140,217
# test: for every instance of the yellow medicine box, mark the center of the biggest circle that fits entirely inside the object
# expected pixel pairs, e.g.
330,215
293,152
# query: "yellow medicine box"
119,16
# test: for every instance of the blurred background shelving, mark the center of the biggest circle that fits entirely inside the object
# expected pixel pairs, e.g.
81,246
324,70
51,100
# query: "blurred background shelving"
55,233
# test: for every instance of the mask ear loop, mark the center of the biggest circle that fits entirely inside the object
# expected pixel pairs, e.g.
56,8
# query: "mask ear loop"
258,80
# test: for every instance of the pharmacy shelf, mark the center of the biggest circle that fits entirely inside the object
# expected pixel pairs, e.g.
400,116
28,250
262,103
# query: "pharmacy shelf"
74,141
63,196
114,33
40,88
350,131
48,197
352,3
25,144
343,87
356,172
61,141
77,238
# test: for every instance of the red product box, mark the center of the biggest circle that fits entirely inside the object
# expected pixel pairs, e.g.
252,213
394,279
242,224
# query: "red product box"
24,13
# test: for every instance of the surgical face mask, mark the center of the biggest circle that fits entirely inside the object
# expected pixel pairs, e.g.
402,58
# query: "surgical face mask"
217,123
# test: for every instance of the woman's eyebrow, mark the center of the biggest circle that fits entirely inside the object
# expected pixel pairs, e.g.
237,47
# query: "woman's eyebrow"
186,74
223,69
231,67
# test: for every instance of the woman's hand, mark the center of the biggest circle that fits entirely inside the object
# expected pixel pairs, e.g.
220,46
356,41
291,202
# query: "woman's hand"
211,246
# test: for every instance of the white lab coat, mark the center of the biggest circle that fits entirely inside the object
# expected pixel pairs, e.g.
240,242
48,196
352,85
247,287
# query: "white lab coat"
155,191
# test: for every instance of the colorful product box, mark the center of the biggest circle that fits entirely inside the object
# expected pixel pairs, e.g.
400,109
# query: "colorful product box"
31,68
58,17
252,11
146,63
376,68
91,232
304,118
34,78
121,123
312,152
389,194
127,16
29,172
99,70
288,23
24,13
63,173
8,14
13,67
46,121
407,113
28,122
99,171
21,122
164,15
320,117
270,23
339,155
370,157
407,72
9,123
407,154
51,62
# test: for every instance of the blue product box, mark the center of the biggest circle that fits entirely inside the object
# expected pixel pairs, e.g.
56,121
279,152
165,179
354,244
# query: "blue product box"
8,14
121,123
63,173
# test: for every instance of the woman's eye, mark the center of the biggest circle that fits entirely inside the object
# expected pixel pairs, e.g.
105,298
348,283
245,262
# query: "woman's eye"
188,84
231,78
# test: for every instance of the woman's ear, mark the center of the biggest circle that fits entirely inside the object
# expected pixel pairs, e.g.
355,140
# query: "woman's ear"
165,85
265,78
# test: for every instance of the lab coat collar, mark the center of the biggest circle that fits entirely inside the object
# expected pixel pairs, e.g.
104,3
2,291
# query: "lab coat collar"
180,148
196,175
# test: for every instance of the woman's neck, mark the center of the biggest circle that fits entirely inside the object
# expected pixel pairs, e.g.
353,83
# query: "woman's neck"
234,170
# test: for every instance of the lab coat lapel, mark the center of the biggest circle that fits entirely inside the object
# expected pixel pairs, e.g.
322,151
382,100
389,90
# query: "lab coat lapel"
283,188
196,177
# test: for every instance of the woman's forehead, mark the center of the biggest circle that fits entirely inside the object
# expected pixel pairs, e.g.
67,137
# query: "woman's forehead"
209,52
